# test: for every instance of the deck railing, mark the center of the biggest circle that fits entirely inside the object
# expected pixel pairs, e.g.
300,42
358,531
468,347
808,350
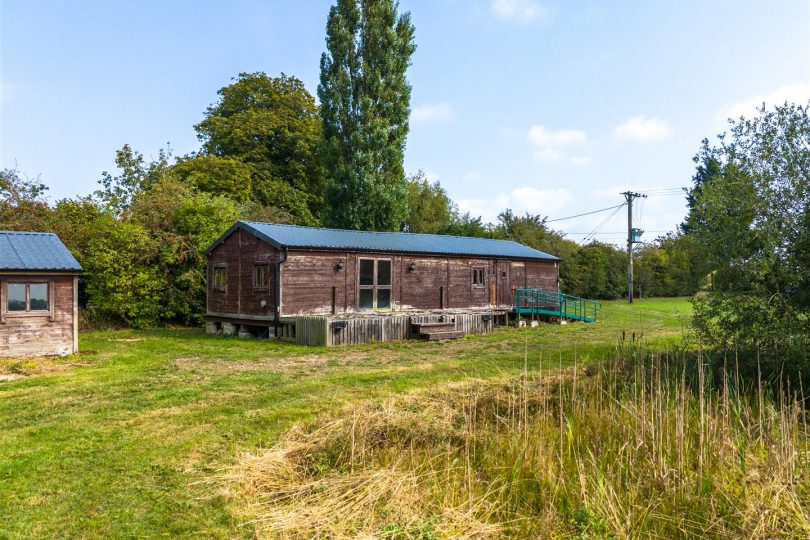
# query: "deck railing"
556,304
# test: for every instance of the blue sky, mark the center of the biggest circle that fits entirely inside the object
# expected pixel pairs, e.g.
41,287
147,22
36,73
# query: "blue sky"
551,107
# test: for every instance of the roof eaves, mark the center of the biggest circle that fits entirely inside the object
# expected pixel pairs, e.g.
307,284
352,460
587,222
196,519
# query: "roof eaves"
543,257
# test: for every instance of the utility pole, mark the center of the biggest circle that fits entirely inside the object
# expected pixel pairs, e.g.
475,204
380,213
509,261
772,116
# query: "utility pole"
633,236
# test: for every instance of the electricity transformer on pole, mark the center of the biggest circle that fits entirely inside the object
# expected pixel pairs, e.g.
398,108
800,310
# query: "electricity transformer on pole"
633,237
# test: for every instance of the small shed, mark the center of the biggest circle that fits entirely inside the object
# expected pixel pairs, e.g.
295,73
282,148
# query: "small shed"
38,295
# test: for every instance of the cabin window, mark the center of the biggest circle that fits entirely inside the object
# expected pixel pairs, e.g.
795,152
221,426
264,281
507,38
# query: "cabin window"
374,284
23,297
478,277
260,276
220,277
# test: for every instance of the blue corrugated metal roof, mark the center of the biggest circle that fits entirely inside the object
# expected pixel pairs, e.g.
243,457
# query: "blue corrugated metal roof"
34,251
293,236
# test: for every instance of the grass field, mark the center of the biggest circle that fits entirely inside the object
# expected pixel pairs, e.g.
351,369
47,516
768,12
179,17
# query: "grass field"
124,439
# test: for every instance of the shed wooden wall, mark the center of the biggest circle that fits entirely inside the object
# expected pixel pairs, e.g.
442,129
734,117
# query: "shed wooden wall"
41,334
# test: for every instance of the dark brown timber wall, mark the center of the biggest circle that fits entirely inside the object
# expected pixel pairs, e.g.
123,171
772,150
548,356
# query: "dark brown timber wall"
326,282
322,282
239,254
45,333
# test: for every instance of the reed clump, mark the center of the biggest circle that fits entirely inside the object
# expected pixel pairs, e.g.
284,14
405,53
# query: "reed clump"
641,445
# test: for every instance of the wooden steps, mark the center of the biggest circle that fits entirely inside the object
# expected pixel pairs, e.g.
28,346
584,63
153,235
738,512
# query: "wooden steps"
435,331
435,336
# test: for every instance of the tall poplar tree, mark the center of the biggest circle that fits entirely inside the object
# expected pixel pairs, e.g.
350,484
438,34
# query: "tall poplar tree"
365,104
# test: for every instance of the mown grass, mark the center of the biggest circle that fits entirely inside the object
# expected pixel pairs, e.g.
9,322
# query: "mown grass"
121,440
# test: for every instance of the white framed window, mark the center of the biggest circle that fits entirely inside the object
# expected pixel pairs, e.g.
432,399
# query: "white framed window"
28,297
374,284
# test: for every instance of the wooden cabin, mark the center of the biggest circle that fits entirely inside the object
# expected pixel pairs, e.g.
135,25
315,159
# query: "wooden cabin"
38,295
268,279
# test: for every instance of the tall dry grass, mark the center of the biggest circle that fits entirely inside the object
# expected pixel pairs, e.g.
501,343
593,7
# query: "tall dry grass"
643,445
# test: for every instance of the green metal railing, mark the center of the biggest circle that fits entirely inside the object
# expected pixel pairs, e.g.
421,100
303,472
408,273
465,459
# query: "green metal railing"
556,304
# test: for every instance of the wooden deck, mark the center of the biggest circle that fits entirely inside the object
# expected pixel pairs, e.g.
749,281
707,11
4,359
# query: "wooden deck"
358,328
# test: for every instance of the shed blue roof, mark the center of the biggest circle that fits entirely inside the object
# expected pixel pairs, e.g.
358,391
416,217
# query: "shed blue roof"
294,236
35,251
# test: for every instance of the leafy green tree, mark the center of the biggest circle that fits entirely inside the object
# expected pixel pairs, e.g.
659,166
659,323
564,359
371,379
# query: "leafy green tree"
22,202
750,216
217,175
467,225
135,175
260,143
125,283
602,270
183,223
365,105
430,210
670,266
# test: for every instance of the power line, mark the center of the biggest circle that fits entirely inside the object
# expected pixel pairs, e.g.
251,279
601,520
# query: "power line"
616,232
665,189
585,214
599,227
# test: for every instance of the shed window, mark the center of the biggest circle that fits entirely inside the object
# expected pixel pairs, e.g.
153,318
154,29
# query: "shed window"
260,276
16,297
38,297
24,297
478,277
374,284
220,277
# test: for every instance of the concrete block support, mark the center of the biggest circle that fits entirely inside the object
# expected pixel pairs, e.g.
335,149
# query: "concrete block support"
229,329
212,328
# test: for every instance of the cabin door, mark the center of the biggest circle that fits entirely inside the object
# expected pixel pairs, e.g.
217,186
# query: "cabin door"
504,284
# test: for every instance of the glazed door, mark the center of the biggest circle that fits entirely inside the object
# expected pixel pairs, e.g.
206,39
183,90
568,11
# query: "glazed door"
502,278
374,284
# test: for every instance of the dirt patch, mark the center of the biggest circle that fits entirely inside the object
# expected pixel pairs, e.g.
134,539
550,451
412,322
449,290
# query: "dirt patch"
280,364
15,368
220,366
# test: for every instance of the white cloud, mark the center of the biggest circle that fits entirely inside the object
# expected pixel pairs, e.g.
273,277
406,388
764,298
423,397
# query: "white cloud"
792,93
550,144
541,136
432,113
642,129
523,11
520,200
